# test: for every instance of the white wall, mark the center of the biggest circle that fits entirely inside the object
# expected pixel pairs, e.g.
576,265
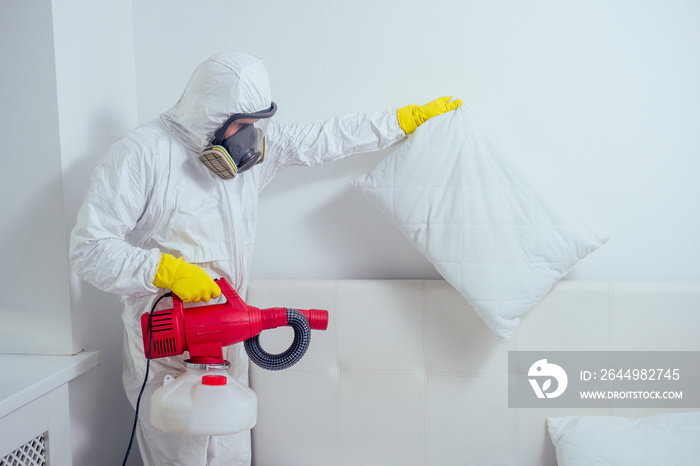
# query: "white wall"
33,270
598,98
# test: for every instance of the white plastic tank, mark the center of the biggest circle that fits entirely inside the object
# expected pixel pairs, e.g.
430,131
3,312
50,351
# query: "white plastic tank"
204,400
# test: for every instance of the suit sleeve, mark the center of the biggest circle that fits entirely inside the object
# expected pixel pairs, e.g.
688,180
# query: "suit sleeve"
332,139
117,196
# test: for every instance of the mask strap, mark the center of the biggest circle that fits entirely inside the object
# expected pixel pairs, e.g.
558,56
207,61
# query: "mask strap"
219,134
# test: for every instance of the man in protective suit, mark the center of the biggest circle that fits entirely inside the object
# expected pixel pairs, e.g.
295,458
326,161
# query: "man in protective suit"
161,214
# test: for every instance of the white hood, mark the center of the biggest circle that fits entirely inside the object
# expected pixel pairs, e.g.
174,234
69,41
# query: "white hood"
225,84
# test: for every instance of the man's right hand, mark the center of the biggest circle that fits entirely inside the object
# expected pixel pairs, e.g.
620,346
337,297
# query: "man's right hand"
188,281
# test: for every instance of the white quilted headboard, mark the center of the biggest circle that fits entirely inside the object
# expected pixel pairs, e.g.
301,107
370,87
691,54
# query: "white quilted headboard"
408,374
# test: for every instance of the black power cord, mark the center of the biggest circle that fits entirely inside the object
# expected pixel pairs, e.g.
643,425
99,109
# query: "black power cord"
145,379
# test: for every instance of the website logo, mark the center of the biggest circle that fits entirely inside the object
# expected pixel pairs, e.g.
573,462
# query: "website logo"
545,372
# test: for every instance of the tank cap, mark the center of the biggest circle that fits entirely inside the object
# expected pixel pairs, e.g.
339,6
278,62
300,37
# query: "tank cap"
214,380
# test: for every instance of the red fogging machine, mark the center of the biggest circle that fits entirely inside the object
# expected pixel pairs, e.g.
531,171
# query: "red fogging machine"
206,400
203,331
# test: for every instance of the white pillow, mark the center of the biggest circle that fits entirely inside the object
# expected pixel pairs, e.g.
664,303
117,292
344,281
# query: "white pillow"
486,230
664,439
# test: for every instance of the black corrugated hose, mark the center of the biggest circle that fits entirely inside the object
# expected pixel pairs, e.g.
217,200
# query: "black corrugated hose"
286,359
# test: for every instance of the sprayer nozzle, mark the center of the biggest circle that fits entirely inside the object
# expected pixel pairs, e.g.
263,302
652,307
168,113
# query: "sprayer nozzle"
318,318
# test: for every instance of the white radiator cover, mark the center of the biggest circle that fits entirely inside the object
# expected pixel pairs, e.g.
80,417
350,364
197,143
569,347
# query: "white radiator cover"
32,453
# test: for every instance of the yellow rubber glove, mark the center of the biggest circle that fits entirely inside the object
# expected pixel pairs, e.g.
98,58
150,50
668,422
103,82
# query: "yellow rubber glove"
188,281
412,116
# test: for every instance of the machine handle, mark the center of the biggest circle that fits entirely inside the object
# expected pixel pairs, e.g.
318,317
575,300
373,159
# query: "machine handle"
178,306
226,289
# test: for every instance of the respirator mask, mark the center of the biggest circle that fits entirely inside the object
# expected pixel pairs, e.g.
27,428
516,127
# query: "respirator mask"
239,152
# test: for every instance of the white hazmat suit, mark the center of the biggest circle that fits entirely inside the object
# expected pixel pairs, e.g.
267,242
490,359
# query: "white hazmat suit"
150,195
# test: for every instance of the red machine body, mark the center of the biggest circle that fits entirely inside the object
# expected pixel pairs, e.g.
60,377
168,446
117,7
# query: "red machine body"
205,330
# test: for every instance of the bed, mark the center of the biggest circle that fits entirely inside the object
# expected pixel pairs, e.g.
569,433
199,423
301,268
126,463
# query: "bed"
408,374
